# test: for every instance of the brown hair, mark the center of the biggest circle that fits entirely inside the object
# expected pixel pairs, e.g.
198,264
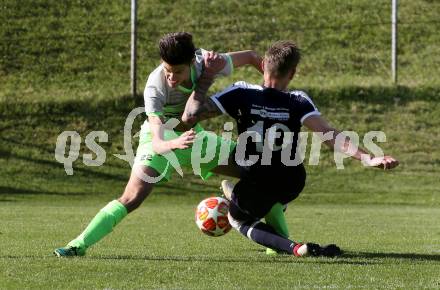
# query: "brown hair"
177,48
281,58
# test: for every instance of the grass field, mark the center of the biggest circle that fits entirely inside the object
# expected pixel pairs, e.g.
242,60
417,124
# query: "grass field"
159,246
66,50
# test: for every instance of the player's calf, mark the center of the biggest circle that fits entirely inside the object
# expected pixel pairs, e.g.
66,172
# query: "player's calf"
137,190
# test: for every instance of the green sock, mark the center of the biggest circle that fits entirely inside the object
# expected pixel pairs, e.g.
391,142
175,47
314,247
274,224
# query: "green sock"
101,225
276,219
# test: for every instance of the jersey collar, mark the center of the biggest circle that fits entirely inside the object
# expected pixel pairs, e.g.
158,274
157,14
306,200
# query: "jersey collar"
193,81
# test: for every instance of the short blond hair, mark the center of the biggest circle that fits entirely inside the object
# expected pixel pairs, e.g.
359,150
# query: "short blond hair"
281,58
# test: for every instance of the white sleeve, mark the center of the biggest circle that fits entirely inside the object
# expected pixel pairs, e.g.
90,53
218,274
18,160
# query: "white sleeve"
304,105
199,63
229,66
154,93
154,100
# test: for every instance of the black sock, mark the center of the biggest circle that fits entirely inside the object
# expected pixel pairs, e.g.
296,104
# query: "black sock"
265,235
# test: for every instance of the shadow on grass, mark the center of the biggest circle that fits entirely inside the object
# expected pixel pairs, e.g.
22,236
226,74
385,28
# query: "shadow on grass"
403,256
7,199
264,259
282,259
369,258
167,187
384,95
6,153
346,258
84,171
95,109
12,190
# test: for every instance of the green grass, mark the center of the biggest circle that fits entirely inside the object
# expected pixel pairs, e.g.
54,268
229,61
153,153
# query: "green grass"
159,246
52,50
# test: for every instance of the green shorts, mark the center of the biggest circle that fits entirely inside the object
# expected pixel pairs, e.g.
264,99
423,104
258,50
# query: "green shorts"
207,152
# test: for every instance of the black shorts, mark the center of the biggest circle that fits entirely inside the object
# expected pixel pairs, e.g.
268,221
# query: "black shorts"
256,196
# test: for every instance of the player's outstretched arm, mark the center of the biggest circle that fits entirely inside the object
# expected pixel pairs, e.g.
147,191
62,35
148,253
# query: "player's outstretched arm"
320,125
160,146
246,57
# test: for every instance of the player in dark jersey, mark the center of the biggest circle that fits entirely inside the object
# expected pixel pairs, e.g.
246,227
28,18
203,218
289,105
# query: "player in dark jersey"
269,120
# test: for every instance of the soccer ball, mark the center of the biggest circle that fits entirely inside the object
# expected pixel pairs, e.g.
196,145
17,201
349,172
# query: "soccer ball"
212,216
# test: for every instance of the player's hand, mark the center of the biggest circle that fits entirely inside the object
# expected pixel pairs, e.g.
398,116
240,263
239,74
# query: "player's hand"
385,162
184,141
214,63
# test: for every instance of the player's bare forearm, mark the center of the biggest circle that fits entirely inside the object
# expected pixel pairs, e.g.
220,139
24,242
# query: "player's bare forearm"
246,57
160,145
157,131
332,138
383,162
197,99
341,143
346,146
198,107
207,111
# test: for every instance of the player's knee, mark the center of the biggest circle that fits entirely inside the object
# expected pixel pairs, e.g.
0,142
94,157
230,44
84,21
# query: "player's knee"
236,224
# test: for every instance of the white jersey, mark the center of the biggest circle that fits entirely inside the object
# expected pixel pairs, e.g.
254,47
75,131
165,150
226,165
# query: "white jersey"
161,99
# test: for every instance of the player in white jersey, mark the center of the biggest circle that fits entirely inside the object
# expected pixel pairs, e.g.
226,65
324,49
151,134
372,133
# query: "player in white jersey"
166,92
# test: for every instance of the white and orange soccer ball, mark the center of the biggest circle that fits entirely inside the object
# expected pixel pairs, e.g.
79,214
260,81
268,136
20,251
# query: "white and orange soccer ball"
212,216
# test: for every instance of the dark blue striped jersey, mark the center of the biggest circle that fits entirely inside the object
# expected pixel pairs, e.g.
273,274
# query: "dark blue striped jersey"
268,122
